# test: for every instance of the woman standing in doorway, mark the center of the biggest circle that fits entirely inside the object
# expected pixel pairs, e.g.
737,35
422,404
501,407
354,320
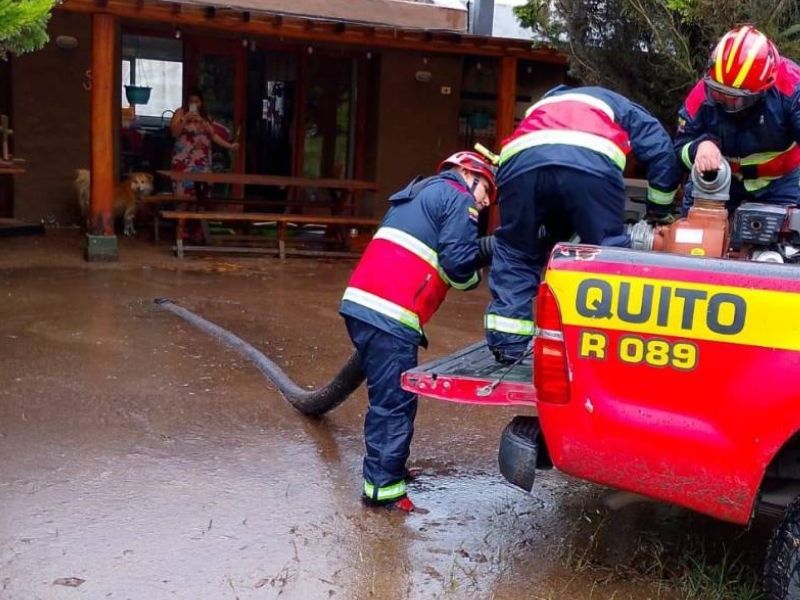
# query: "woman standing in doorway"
194,135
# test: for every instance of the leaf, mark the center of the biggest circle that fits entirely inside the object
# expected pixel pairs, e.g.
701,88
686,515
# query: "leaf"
69,581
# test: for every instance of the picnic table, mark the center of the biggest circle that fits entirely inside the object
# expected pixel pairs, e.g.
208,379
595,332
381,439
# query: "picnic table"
339,187
341,190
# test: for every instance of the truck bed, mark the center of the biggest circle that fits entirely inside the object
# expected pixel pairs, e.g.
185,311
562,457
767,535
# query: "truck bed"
472,376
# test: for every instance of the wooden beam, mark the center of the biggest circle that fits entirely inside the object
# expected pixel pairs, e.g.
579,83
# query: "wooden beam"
263,24
104,39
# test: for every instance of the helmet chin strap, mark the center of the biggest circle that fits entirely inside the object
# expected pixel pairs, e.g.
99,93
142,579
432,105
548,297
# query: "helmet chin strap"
474,185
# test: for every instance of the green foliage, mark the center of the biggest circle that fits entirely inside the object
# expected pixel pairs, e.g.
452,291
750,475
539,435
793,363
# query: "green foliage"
652,50
23,25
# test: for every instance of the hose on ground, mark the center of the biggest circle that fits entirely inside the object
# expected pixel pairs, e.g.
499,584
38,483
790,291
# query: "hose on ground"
309,402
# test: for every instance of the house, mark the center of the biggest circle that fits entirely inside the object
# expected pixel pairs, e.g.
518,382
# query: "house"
378,90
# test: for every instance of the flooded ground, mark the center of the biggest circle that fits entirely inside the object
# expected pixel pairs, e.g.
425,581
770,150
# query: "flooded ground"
139,459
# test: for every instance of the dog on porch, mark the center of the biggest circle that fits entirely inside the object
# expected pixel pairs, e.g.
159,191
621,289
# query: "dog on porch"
126,196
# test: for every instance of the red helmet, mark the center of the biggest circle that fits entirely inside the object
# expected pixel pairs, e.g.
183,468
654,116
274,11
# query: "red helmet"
743,65
473,163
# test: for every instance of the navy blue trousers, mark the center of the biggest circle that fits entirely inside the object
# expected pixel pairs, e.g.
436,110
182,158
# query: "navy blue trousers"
557,200
389,424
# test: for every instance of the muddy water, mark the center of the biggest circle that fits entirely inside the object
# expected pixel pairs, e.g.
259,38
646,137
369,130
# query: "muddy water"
139,459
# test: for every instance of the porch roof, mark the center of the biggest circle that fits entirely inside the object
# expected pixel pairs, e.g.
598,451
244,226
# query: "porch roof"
246,18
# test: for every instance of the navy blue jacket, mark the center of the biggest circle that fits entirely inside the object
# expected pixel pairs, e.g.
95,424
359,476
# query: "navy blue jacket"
439,212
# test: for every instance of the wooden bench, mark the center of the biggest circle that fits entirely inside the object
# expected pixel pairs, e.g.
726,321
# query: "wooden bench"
158,200
281,219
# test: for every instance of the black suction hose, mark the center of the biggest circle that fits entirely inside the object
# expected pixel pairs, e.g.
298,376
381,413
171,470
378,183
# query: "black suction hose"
309,402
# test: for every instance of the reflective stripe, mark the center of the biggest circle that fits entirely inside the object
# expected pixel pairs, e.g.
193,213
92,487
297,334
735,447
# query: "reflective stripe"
687,161
718,61
385,493
736,43
748,63
410,243
383,306
550,334
472,281
753,185
572,97
423,251
763,157
569,137
507,325
658,197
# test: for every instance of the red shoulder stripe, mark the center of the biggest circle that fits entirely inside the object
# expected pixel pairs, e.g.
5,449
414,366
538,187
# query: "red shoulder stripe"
695,99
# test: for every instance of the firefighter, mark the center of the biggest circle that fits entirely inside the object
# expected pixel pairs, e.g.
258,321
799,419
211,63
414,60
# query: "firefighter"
561,173
426,244
747,109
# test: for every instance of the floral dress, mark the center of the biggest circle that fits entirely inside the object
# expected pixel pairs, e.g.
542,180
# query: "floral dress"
192,151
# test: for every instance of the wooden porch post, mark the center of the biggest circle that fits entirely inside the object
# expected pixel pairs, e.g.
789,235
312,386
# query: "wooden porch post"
506,103
506,99
101,242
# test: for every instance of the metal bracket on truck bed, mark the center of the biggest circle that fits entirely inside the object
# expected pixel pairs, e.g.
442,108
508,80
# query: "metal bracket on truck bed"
473,376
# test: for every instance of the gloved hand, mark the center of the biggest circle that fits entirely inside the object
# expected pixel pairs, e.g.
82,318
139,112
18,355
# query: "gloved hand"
485,251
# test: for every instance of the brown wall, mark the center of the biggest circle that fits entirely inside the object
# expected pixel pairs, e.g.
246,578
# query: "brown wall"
417,125
51,122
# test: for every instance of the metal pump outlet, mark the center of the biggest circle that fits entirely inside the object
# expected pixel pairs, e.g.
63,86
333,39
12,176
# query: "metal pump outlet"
704,230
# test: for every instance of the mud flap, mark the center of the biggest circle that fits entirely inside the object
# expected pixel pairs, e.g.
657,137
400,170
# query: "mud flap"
522,451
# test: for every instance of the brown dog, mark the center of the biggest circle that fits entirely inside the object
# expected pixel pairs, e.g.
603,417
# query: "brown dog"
126,195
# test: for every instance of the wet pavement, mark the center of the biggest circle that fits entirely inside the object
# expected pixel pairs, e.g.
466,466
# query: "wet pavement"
140,459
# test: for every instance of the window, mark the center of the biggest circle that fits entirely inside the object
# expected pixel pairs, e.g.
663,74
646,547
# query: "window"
155,63
164,77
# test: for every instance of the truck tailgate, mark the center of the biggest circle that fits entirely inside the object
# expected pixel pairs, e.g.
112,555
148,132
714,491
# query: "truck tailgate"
472,376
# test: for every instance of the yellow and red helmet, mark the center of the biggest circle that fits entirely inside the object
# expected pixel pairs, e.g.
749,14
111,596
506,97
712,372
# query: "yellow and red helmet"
473,163
743,65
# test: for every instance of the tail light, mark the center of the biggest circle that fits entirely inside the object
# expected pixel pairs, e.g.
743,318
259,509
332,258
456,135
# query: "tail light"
550,371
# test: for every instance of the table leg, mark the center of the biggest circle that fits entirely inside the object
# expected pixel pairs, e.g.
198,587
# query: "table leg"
179,229
281,240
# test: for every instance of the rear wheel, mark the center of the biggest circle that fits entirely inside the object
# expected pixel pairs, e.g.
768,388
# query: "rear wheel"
782,566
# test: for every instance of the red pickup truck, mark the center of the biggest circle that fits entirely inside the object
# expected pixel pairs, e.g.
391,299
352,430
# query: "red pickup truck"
667,375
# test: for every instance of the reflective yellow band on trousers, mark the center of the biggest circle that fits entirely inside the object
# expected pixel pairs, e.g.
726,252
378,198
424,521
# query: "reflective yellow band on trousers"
386,493
508,325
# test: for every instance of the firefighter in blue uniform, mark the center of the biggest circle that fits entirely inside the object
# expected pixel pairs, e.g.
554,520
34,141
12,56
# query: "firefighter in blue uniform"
561,172
426,244
747,109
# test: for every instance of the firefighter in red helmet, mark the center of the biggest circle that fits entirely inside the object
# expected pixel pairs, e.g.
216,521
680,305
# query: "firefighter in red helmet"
426,244
747,109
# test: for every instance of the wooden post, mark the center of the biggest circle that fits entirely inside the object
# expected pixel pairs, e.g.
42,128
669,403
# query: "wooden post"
506,105
102,244
506,99
6,130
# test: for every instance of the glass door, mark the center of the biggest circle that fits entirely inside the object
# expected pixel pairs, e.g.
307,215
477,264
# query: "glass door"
216,69
329,117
